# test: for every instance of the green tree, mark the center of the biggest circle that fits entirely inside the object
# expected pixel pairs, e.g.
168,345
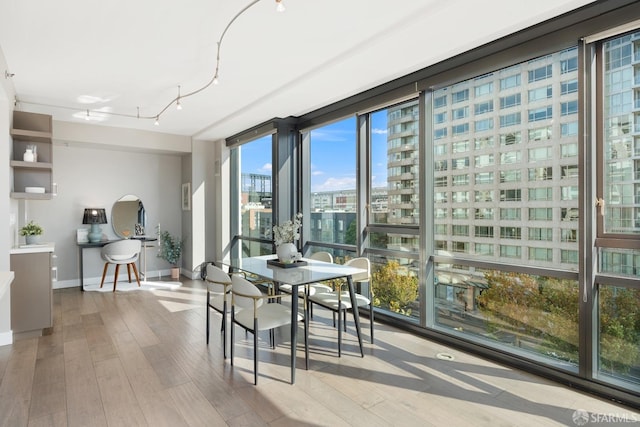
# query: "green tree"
350,234
394,288
546,311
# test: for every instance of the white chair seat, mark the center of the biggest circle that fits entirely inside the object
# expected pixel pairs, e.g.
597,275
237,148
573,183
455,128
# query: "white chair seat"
122,252
271,316
313,289
330,300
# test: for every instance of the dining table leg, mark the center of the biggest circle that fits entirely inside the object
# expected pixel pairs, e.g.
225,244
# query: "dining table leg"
356,315
294,332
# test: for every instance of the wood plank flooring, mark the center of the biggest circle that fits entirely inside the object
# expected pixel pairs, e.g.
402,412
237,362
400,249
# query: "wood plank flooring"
140,358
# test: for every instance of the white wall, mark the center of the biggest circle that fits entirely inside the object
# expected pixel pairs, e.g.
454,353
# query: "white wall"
94,174
7,95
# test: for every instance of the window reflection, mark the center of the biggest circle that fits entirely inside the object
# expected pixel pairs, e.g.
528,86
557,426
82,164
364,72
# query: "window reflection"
619,327
534,314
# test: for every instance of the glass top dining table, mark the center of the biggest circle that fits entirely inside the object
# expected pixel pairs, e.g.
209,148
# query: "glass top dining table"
314,271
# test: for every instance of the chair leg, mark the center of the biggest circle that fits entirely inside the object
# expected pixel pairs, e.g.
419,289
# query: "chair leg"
104,273
371,320
224,329
339,332
115,278
208,316
344,320
135,271
233,327
129,272
255,351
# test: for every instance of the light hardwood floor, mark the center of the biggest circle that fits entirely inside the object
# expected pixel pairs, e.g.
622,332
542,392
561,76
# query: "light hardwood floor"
140,358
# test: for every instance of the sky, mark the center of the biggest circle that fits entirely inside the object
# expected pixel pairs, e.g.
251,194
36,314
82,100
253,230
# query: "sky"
333,155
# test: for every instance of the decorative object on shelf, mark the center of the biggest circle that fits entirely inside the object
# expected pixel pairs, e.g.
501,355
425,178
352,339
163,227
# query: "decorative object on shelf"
95,217
35,190
31,233
28,155
284,235
170,251
139,229
82,235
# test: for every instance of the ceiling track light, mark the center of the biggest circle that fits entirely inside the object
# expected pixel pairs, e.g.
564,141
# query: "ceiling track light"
213,81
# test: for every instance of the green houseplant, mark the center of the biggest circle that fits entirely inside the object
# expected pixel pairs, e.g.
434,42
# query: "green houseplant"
171,251
31,232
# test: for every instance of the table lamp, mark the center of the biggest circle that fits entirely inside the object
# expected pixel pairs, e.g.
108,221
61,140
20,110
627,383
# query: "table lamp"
94,217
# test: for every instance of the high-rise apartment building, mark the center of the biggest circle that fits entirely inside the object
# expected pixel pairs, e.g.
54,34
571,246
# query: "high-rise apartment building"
506,165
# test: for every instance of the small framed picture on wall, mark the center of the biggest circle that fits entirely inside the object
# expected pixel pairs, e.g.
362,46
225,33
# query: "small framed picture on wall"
186,196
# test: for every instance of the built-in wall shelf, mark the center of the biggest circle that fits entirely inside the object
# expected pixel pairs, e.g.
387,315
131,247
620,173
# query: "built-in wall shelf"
30,135
30,165
33,131
32,196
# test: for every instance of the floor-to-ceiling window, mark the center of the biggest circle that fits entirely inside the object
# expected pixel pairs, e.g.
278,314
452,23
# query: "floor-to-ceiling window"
254,196
507,194
618,277
331,205
392,242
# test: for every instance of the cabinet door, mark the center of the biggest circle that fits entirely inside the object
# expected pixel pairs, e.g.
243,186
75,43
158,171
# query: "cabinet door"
31,292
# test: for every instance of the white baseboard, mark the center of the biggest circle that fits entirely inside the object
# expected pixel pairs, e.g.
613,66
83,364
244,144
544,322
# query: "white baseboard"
75,283
190,274
6,338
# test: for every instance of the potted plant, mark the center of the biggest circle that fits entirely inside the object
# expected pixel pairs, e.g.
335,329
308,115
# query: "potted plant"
171,251
31,232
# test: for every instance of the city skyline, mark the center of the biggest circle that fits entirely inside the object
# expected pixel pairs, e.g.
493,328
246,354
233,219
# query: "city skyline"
329,172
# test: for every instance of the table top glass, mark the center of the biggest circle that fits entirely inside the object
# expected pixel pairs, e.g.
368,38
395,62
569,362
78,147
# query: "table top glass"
314,271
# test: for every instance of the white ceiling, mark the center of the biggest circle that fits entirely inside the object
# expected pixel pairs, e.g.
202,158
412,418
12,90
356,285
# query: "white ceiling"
117,55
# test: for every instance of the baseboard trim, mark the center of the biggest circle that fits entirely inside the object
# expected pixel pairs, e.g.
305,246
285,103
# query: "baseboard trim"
6,338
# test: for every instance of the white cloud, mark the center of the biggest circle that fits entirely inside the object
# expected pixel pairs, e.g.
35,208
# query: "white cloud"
266,167
376,131
336,184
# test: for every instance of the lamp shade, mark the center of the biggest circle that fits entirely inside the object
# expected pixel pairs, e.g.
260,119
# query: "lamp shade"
94,216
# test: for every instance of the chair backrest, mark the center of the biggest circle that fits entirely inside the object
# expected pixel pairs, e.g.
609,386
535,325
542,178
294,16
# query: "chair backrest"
243,286
122,249
322,256
363,263
216,275
217,279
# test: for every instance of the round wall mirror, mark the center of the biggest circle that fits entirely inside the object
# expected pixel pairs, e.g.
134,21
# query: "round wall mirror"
128,217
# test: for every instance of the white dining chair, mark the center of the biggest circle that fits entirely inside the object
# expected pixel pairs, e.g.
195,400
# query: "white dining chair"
219,299
121,252
339,301
257,314
313,287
